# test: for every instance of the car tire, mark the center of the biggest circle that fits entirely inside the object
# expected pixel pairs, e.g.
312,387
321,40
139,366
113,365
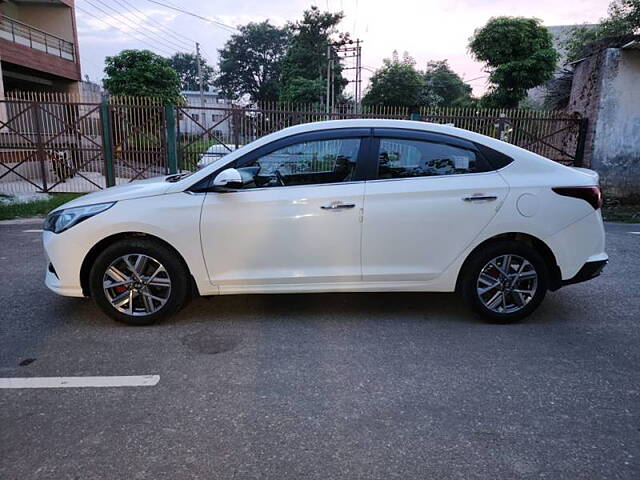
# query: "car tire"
155,288
505,281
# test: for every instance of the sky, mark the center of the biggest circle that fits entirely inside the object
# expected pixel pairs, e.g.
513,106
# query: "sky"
426,29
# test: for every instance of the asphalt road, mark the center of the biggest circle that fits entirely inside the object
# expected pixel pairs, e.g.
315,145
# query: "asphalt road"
324,386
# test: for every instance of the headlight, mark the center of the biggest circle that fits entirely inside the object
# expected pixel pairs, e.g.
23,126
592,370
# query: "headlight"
64,219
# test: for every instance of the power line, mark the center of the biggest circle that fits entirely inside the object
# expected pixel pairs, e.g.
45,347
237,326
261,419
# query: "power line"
131,24
178,36
164,35
120,29
229,28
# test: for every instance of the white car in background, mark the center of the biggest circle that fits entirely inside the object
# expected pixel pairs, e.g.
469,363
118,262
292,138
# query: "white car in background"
215,152
341,206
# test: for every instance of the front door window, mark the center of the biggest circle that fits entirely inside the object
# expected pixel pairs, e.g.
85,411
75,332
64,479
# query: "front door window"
306,163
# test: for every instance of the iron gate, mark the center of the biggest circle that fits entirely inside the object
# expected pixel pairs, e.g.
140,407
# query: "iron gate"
66,146
50,147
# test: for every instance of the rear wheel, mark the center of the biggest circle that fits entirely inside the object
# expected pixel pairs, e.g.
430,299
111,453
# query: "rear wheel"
139,281
505,282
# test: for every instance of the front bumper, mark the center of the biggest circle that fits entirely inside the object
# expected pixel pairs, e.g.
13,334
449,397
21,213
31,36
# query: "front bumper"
64,257
588,271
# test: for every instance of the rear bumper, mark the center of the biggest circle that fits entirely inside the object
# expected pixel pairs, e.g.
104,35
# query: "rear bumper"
588,271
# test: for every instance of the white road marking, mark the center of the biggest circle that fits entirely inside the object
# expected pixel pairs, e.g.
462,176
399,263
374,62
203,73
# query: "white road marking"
32,231
634,233
75,382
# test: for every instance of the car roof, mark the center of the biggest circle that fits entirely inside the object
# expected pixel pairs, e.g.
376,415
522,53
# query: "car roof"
389,123
373,123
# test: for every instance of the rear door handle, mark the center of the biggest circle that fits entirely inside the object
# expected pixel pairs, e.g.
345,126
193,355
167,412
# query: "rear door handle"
338,206
480,198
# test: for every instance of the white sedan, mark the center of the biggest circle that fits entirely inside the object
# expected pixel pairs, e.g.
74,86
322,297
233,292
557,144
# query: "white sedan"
341,206
215,152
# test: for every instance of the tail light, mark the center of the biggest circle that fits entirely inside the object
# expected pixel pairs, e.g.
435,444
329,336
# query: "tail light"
591,195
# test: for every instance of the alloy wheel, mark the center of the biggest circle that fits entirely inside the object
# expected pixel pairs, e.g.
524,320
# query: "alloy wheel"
507,283
136,285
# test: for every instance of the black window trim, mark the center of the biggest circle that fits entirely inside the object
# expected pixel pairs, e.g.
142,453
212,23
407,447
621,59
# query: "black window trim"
482,152
363,164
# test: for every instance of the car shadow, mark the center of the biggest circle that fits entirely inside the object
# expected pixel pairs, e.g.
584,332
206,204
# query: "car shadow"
299,308
315,307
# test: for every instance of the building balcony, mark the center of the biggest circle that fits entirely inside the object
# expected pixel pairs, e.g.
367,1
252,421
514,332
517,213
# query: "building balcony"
26,35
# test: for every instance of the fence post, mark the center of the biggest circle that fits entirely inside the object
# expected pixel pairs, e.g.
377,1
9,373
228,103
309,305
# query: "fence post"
236,125
172,144
578,160
39,144
107,150
501,126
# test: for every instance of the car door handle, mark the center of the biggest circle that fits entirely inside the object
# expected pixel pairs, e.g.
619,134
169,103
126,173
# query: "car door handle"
480,198
337,206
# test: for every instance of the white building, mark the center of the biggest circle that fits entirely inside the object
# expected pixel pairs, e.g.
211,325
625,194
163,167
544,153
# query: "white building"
203,112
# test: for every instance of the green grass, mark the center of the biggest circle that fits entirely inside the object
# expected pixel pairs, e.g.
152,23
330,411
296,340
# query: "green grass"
35,209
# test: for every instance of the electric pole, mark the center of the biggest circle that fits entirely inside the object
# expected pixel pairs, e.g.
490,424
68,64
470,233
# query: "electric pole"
327,101
200,75
353,50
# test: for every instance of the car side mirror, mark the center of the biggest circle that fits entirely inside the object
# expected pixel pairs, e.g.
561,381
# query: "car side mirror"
228,179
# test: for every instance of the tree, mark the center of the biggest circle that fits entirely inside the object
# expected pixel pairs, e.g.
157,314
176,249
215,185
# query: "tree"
305,64
141,73
623,19
518,53
399,84
443,82
250,62
186,64
303,90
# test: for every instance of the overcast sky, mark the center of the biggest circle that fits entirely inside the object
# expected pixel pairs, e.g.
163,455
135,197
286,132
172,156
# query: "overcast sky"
427,29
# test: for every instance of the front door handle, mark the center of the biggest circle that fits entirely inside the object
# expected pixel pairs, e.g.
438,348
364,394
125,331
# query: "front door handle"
337,206
480,198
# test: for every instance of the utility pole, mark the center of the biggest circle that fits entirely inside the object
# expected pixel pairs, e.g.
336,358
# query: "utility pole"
358,75
327,100
349,50
199,63
332,96
203,113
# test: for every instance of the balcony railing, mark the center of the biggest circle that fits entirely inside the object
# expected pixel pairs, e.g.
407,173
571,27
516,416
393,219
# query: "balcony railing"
23,34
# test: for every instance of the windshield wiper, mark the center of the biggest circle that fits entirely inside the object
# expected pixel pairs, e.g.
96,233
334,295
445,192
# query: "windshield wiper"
178,176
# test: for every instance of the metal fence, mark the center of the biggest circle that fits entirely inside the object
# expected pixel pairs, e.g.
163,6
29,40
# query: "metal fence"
59,143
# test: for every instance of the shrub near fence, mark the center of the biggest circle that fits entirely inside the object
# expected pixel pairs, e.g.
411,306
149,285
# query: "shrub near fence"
63,143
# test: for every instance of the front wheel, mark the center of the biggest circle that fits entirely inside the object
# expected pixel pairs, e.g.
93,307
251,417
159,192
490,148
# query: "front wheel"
139,281
505,282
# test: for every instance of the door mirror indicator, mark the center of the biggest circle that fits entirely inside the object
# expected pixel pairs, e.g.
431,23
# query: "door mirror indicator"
228,179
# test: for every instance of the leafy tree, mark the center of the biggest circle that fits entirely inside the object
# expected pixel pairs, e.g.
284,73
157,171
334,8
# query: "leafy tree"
303,90
186,64
443,82
518,53
398,83
141,73
623,19
251,61
304,68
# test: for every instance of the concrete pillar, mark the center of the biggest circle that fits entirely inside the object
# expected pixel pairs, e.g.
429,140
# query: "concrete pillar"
73,89
616,149
3,107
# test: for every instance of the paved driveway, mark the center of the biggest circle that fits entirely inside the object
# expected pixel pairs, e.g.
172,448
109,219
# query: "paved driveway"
324,386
